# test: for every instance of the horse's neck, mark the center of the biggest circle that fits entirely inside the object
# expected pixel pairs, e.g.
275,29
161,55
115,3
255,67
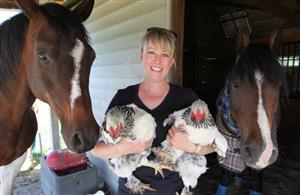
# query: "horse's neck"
13,107
18,124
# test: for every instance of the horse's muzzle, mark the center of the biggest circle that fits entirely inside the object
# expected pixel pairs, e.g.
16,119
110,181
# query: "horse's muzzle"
252,158
83,139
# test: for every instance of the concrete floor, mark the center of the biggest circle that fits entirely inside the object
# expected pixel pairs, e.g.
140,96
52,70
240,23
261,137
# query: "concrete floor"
31,189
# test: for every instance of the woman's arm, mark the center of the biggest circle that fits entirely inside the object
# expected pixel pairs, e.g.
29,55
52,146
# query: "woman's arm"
203,149
125,146
179,140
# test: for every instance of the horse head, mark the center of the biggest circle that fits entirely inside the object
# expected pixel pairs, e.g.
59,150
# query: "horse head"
253,87
58,58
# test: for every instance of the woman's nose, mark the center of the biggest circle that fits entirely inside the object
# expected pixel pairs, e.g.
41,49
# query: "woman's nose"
157,58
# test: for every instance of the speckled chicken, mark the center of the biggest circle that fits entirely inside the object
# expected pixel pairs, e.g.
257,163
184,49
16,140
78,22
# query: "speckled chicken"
197,121
134,123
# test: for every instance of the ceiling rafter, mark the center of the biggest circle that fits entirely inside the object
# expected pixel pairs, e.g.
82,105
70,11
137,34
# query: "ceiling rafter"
276,9
272,6
8,4
231,3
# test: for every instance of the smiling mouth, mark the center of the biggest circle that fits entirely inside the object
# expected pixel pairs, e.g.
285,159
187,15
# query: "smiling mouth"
156,69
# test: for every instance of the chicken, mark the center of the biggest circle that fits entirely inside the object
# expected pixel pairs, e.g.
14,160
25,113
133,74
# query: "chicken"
197,121
134,124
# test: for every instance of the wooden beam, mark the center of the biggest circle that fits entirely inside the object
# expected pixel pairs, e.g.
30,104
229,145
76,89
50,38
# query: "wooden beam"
8,5
271,6
288,35
232,3
278,10
298,2
177,25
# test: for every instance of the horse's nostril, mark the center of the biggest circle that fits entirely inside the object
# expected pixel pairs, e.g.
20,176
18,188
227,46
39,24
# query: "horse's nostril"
78,142
248,153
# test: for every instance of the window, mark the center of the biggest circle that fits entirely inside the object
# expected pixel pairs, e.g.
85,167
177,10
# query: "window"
289,61
289,58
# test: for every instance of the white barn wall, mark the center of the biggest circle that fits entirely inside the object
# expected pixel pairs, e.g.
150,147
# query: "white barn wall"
116,28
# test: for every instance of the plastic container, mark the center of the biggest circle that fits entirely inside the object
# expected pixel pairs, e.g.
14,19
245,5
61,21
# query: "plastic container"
80,182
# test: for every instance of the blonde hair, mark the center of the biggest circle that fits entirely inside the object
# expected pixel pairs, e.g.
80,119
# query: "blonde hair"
160,38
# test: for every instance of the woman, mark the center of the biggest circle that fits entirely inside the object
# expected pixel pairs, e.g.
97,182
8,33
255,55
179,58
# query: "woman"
159,98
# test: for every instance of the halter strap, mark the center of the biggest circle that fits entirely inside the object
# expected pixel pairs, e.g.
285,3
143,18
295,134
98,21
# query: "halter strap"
223,106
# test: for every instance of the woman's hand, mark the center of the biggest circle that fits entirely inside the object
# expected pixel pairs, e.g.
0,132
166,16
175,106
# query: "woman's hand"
179,140
123,147
127,146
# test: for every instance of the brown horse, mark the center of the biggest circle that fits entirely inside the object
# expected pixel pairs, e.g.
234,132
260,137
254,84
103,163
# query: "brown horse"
248,112
45,54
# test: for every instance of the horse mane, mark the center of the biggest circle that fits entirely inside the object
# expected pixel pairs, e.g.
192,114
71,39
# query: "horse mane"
258,57
11,44
63,22
12,36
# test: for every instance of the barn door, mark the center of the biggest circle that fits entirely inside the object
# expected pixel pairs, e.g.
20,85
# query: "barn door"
208,54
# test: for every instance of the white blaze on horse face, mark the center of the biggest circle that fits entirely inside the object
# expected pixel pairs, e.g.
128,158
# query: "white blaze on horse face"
77,54
263,123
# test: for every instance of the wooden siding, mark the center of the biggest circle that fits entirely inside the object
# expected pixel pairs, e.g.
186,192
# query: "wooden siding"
116,28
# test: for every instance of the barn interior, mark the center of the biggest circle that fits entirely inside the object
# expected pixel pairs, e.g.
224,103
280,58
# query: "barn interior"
209,51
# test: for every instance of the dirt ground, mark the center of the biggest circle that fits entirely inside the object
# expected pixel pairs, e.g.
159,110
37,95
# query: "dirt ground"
281,178
28,183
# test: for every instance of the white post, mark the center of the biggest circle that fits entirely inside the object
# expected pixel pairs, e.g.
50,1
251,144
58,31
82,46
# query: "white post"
54,131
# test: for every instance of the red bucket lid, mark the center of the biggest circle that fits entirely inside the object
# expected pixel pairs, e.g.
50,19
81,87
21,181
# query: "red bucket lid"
64,159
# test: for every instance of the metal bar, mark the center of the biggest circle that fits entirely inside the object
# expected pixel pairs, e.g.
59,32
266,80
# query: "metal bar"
298,75
288,67
293,67
282,56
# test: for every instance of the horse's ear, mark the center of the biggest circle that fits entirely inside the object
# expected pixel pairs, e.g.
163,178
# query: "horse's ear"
28,7
275,40
82,8
242,40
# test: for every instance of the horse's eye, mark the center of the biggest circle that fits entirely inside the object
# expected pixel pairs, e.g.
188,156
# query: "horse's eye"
43,56
236,83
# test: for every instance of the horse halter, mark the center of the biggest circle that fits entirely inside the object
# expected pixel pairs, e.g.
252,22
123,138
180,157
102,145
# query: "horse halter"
223,106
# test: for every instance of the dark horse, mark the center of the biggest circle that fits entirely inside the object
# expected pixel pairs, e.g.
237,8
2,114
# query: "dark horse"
248,113
45,54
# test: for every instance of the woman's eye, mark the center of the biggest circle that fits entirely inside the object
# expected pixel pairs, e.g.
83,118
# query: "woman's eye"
150,52
165,55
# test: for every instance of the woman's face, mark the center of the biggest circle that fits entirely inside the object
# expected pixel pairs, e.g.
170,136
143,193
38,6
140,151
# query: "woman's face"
157,62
